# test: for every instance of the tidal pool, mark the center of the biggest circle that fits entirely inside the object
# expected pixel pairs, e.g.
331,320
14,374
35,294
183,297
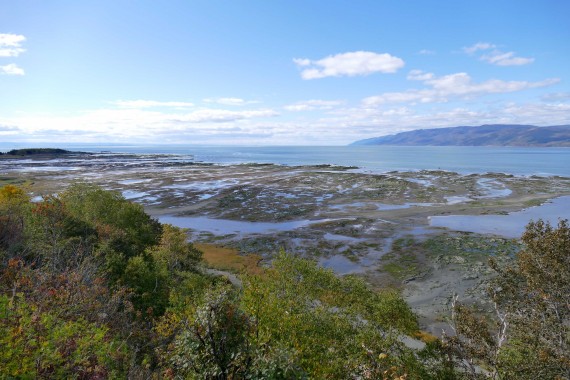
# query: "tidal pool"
511,225
131,194
492,189
226,227
341,264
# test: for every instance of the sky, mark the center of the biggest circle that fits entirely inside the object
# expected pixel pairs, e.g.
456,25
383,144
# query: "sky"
276,72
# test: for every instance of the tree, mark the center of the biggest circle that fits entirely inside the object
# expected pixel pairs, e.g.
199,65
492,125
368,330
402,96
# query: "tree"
215,345
336,326
149,282
56,237
39,343
218,342
13,206
175,250
122,226
530,336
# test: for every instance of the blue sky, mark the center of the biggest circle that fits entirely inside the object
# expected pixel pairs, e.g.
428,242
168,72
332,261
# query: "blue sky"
277,72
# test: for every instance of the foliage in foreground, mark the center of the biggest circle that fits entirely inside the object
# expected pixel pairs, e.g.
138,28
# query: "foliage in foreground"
296,320
529,338
92,287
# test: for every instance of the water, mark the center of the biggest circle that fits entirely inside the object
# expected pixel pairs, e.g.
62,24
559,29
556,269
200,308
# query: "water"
511,225
341,265
228,227
465,160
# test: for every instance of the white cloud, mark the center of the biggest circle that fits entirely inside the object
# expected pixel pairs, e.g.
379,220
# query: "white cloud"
150,103
315,104
419,75
505,59
230,101
222,116
212,126
537,113
11,45
350,64
144,125
497,57
363,122
8,129
478,46
11,69
302,61
459,85
426,52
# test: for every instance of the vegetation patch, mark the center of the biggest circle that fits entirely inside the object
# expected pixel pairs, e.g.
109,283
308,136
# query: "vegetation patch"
38,152
402,261
11,181
470,247
229,259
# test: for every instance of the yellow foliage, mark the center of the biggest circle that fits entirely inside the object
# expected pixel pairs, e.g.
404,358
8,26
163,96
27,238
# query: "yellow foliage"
229,259
12,194
425,337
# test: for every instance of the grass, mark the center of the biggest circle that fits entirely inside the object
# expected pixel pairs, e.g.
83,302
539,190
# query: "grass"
402,261
12,181
471,247
533,202
400,271
425,336
229,259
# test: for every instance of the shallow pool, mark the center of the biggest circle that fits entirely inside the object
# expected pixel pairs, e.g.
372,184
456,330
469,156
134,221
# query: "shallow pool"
511,225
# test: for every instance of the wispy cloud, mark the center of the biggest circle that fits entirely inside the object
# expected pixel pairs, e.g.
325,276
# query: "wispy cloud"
314,104
223,116
478,46
370,122
8,129
419,75
453,86
11,69
497,57
230,101
11,45
150,103
556,96
357,63
141,124
505,59
208,126
426,52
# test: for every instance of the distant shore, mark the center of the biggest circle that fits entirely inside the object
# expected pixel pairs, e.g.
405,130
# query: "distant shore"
40,153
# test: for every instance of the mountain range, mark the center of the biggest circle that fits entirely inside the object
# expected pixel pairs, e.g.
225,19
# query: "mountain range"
483,135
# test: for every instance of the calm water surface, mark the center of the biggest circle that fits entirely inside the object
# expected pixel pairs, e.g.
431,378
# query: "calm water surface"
511,225
512,160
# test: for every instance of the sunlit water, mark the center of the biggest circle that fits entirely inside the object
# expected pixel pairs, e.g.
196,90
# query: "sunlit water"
511,225
512,160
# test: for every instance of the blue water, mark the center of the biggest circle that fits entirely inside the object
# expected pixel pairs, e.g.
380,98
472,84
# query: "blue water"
511,160
511,225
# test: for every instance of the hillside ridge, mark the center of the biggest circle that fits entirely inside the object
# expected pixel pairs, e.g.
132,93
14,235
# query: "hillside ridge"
483,135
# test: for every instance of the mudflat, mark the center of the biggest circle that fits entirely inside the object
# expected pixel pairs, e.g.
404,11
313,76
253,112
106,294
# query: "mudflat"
375,225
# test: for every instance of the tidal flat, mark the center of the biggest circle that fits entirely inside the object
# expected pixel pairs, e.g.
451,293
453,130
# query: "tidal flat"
376,225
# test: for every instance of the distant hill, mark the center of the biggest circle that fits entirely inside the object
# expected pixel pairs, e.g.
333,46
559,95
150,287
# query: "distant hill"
484,135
